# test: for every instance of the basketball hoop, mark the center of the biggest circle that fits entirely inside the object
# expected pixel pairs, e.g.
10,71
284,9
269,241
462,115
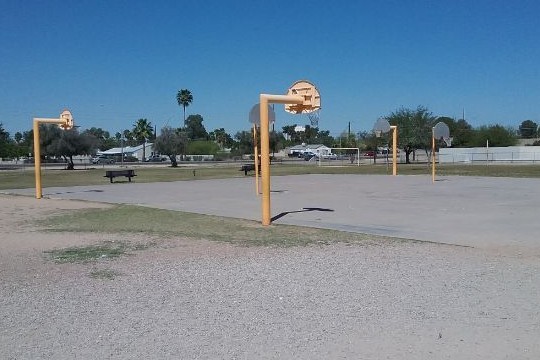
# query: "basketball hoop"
255,115
67,119
312,98
441,130
381,126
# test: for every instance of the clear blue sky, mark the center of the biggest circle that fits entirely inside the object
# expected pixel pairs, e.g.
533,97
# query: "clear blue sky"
113,62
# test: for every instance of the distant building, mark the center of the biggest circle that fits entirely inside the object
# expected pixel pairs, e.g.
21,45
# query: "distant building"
317,149
135,151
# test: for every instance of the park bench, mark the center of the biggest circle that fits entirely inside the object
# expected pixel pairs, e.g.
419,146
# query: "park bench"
111,174
249,167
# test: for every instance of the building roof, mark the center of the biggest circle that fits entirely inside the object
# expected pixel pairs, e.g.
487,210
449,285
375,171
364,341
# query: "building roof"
125,149
316,146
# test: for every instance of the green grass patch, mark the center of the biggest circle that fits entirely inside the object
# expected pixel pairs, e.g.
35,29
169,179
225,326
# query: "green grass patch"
83,254
170,224
104,251
24,178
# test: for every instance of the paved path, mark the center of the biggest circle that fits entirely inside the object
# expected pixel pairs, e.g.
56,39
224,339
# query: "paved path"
472,211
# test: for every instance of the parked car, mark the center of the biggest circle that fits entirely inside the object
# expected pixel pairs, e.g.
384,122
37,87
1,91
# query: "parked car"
127,158
157,158
295,154
369,154
330,156
102,159
309,155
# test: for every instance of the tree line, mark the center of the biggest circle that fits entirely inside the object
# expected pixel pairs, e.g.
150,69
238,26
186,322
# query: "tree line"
414,133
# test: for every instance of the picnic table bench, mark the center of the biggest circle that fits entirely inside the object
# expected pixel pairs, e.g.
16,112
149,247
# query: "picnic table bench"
249,167
111,174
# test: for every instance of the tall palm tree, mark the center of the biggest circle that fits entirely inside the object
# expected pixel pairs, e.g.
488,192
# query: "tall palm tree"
142,130
184,98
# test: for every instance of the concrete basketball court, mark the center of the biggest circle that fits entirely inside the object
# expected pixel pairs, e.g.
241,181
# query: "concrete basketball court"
484,212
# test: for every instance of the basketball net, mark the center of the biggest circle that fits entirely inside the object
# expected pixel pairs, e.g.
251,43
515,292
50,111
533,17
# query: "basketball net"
314,118
448,141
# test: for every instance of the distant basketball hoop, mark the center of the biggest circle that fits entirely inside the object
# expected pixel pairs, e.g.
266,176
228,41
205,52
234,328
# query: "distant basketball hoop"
441,131
310,94
438,132
255,115
381,126
67,119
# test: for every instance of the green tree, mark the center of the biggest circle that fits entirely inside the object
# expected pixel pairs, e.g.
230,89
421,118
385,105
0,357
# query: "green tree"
494,135
276,141
6,147
102,138
414,129
528,129
244,142
26,145
142,130
128,136
292,135
21,148
202,147
310,134
65,143
367,140
171,142
221,137
324,137
194,128
184,99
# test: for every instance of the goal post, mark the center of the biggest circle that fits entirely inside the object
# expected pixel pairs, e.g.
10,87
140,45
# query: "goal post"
342,156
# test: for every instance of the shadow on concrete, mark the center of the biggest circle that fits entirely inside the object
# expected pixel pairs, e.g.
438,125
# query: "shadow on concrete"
279,216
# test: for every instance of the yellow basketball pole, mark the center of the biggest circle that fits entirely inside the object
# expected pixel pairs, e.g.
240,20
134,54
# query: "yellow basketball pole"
265,99
37,159
394,149
37,151
433,154
256,151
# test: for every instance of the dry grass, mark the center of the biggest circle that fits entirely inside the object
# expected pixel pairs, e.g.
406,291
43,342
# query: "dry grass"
19,179
164,223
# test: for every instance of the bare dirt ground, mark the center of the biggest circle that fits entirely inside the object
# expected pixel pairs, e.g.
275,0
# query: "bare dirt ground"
191,299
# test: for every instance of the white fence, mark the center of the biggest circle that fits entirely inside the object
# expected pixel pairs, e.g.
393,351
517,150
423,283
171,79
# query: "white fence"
510,154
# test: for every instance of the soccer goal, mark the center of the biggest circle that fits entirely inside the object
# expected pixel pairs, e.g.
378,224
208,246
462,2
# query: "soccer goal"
341,157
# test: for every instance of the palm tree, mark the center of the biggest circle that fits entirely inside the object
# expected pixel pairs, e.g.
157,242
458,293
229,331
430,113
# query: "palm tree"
142,130
184,98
